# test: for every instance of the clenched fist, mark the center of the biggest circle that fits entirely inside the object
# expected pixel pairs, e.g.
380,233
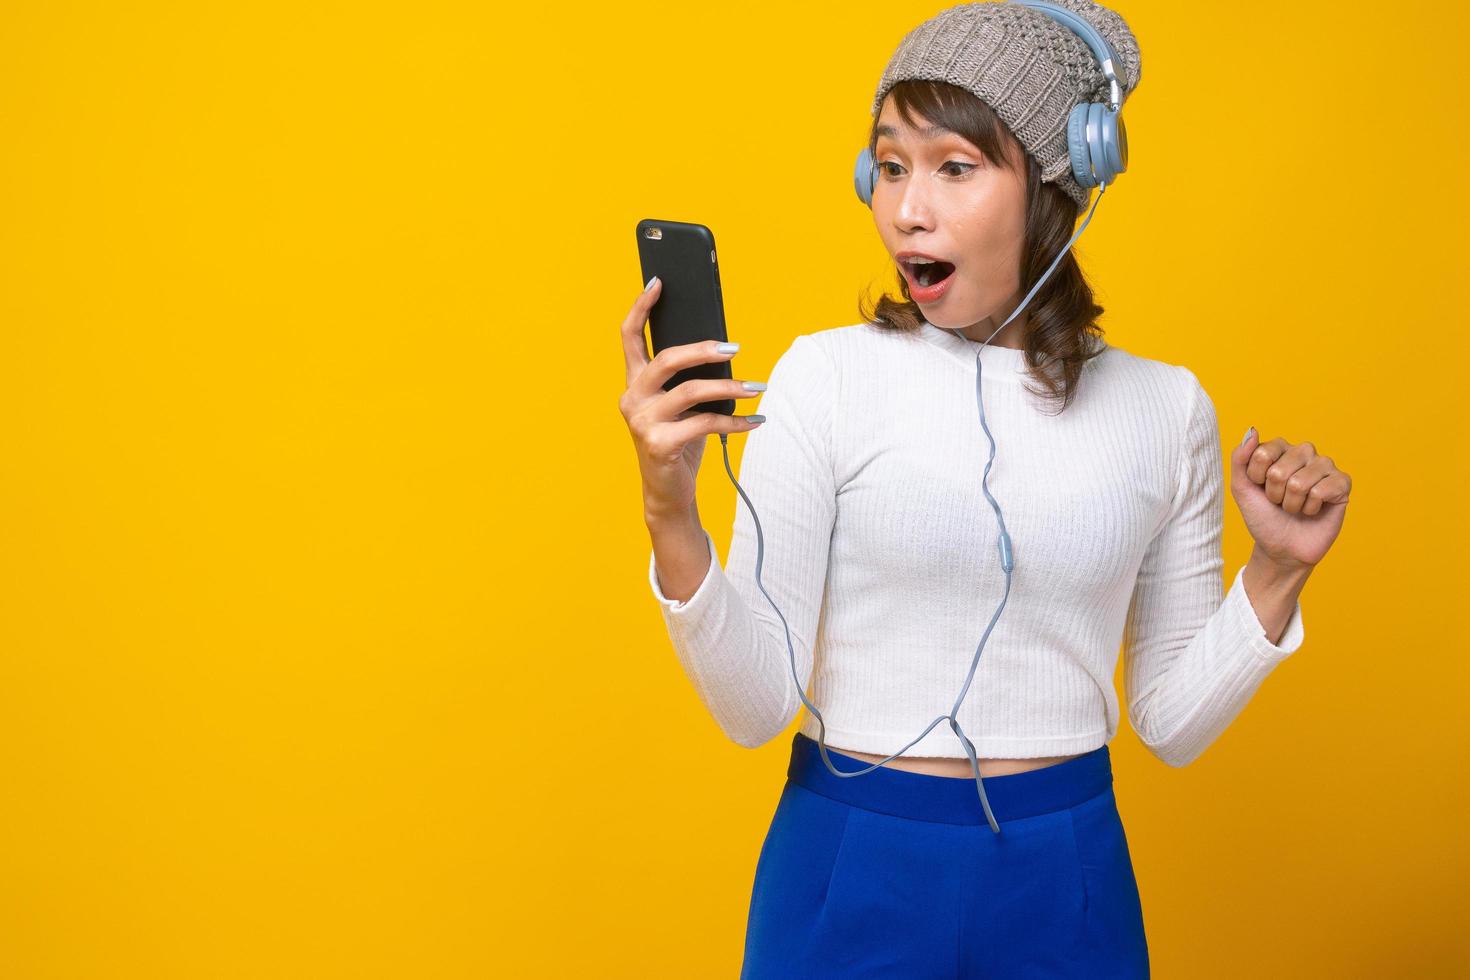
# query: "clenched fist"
1292,498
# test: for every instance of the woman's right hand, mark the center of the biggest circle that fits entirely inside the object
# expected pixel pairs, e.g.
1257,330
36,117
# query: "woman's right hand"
668,434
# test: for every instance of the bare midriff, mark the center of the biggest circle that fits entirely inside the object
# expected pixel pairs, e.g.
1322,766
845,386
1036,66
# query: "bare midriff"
959,768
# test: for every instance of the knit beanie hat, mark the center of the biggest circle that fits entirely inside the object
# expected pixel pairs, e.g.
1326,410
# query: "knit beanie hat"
1026,66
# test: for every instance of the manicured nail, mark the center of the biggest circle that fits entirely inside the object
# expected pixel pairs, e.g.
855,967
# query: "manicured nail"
728,348
649,285
753,385
755,419
1247,437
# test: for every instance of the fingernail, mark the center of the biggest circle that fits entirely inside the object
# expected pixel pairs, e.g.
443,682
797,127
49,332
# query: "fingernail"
753,385
728,348
1247,437
755,419
649,285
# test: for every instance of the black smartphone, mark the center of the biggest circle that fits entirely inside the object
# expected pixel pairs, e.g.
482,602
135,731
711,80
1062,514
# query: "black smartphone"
690,308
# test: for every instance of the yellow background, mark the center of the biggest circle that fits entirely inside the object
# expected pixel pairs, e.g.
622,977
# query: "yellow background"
326,645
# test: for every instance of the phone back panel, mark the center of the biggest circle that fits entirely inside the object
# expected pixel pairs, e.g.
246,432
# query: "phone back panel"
691,307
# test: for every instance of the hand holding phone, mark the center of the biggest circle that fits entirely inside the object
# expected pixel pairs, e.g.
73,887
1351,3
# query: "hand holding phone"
674,399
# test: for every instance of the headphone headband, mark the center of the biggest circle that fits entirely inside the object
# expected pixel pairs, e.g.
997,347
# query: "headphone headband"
1095,40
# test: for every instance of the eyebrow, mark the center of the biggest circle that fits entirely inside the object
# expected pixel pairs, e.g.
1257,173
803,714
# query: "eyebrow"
926,133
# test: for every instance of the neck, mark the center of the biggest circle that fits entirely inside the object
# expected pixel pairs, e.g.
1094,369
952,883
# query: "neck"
1012,336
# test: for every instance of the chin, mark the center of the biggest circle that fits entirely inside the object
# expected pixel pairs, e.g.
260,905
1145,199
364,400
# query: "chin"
942,315
951,312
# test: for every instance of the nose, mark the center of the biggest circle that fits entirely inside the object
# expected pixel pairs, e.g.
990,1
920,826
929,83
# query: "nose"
914,210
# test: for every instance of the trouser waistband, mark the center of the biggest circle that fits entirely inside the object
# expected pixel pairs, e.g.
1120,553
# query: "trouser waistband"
947,799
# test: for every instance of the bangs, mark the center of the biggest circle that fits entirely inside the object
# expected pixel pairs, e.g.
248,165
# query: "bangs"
957,110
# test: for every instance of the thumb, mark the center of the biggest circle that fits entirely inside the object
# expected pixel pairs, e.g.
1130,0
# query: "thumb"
1241,455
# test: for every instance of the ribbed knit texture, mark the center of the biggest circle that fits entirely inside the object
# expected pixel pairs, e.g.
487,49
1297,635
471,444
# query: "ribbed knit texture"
881,552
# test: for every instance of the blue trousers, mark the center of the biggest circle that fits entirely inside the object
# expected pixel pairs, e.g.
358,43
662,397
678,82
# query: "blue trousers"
898,874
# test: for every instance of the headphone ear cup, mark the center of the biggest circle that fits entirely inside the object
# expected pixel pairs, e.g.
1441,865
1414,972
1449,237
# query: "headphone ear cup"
1115,138
1077,145
1097,147
865,176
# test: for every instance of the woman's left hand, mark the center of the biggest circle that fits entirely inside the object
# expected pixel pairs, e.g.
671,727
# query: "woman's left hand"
1293,500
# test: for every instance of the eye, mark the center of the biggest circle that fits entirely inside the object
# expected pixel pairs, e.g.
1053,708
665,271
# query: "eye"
882,167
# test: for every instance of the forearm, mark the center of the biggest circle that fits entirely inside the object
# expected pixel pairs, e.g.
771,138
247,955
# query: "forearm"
681,552
1273,590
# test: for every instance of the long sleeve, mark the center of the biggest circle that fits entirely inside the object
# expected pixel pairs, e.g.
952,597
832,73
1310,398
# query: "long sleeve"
728,638
1192,661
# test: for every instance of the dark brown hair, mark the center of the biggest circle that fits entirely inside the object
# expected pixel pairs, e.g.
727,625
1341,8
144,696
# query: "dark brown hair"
1061,330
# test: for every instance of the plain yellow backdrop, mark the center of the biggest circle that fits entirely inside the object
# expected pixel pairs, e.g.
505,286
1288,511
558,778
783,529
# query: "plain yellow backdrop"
326,643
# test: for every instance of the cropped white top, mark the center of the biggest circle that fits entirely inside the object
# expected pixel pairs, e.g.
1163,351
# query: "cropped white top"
881,552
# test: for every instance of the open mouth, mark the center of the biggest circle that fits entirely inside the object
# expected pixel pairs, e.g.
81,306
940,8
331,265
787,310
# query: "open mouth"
928,273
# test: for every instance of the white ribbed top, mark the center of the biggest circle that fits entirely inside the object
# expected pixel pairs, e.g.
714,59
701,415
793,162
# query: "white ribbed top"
881,552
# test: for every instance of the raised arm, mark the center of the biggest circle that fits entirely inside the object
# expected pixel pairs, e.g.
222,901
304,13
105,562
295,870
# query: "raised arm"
1192,659
727,636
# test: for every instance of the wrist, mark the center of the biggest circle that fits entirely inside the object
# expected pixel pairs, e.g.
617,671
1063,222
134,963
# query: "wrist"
677,519
1278,575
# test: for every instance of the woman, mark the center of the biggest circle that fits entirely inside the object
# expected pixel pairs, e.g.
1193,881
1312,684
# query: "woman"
875,489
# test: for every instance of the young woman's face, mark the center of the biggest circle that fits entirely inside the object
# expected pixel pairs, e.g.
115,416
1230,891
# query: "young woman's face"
937,194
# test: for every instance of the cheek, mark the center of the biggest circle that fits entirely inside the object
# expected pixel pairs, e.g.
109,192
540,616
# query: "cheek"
991,245
989,259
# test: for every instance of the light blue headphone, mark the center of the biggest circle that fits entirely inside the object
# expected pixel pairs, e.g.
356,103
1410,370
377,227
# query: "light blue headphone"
1097,141
1099,151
